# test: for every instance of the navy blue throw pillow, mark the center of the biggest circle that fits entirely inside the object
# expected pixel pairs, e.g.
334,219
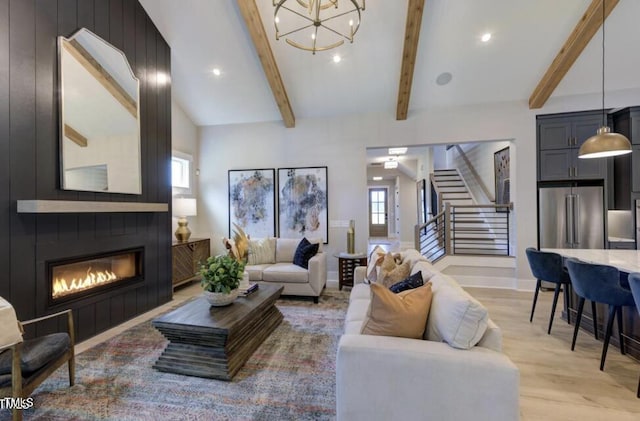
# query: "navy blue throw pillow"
413,281
304,252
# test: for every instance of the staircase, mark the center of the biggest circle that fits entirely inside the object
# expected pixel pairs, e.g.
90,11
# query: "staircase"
451,187
475,230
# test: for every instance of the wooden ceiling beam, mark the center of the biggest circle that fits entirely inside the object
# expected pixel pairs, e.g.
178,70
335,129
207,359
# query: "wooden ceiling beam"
411,38
251,17
586,28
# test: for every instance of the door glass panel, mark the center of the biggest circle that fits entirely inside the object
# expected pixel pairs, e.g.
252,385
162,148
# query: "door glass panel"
378,207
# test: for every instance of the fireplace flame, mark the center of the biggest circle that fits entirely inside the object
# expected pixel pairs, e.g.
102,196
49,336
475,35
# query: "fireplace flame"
62,287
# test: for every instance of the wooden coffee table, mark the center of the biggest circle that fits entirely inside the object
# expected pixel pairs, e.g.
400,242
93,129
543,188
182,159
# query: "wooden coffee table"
215,342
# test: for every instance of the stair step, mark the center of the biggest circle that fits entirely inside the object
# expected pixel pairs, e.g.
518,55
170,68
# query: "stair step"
446,171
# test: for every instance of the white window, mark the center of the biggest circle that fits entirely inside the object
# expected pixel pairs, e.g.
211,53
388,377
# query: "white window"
180,172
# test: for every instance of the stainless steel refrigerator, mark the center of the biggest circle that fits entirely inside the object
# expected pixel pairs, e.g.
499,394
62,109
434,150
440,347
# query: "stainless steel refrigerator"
571,217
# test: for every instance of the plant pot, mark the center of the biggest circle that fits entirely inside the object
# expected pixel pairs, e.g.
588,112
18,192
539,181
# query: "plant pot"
219,299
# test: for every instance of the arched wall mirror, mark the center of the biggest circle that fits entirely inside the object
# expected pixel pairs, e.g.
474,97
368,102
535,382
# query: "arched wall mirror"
99,116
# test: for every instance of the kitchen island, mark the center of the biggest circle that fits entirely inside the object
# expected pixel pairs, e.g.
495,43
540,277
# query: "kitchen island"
627,261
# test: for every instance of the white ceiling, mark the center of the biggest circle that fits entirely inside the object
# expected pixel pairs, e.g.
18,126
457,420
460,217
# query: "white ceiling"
527,34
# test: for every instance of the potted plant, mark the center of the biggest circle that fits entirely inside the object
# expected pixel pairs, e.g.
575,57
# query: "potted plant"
221,277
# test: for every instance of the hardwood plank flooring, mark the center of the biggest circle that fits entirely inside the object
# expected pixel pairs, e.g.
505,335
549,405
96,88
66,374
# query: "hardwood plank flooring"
555,383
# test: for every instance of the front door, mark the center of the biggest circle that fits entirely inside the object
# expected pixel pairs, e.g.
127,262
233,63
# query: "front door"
378,226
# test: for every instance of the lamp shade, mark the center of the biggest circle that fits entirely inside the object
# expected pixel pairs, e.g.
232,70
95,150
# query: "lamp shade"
184,206
604,144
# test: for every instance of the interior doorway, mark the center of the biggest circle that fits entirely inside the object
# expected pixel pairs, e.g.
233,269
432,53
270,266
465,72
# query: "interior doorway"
378,212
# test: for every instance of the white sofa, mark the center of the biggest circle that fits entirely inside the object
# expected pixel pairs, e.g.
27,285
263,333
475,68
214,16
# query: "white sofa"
295,279
391,378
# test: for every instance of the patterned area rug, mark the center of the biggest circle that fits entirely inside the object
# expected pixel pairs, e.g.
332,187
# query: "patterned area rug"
291,376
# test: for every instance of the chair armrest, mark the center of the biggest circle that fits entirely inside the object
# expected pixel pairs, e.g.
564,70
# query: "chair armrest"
359,275
318,272
70,327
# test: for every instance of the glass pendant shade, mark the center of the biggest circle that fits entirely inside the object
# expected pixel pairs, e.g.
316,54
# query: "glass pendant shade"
604,144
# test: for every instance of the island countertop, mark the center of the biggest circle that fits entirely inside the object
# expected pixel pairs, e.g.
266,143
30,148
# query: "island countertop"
625,260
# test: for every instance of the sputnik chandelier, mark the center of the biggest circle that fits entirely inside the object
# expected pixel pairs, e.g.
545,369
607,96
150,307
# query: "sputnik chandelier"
317,25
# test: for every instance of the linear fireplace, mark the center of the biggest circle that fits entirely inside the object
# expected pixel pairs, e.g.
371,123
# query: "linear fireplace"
83,276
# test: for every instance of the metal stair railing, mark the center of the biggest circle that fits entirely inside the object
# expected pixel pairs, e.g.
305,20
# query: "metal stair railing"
465,230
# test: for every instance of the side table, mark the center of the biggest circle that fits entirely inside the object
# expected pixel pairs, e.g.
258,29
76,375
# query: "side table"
346,265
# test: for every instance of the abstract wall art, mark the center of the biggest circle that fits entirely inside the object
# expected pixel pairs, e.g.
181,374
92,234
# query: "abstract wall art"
302,200
252,202
501,168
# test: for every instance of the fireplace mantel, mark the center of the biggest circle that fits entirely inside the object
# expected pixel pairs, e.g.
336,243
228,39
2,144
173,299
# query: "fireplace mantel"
76,206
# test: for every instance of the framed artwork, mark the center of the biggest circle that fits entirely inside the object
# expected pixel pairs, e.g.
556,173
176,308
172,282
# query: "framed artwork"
501,171
302,203
252,202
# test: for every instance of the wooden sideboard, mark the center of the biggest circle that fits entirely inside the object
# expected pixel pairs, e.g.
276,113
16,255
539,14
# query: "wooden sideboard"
186,258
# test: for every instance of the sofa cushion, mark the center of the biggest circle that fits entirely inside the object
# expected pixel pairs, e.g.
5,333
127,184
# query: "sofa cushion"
357,310
403,315
304,252
411,282
286,248
353,327
36,352
455,317
255,271
285,273
262,251
412,256
426,268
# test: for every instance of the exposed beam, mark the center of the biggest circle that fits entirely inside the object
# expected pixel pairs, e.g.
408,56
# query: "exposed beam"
252,19
75,136
411,38
586,28
101,75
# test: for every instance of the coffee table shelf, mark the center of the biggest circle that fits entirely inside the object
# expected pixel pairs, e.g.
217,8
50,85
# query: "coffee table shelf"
215,342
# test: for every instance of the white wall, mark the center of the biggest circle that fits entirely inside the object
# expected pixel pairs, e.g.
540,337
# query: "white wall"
184,139
340,143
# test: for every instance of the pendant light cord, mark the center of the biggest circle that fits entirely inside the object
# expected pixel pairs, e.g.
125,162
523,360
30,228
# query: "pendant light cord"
604,121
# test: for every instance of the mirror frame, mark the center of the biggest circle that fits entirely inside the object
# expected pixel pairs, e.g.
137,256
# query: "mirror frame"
137,184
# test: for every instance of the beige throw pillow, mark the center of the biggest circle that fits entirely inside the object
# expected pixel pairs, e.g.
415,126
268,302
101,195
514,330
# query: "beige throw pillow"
391,273
262,251
373,264
403,315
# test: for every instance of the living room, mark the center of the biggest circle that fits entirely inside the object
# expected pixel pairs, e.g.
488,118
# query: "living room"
248,130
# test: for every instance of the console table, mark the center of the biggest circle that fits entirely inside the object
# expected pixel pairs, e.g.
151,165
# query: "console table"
347,263
186,258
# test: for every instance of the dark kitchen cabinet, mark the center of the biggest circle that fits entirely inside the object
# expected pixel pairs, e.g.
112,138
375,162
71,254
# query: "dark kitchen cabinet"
625,169
559,137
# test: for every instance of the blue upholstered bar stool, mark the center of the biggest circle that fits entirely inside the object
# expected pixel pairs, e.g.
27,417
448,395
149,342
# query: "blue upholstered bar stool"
599,283
634,283
548,267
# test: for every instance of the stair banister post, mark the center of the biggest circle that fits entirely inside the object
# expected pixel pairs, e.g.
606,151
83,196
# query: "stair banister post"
447,228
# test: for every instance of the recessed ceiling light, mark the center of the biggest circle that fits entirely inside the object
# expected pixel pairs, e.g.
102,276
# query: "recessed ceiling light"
397,151
486,37
377,178
444,78
337,58
389,165
216,71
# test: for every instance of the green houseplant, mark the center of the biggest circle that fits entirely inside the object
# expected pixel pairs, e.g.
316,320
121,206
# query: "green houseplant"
221,277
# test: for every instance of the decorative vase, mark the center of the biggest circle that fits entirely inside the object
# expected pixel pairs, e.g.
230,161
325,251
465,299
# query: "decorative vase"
220,299
351,237
244,283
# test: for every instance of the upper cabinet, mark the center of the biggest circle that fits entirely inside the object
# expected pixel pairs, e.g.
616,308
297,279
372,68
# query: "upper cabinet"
625,173
559,137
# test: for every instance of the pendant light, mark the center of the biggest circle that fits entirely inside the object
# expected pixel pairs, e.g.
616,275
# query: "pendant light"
605,143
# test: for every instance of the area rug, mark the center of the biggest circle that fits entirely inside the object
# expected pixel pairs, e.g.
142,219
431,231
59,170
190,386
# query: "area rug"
291,376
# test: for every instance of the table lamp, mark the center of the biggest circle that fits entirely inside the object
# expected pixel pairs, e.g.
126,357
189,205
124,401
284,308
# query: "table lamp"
183,207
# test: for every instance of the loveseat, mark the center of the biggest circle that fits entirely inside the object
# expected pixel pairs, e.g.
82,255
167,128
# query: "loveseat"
271,261
458,372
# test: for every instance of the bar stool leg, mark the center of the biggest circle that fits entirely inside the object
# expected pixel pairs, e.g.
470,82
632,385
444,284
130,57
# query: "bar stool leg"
607,335
619,317
577,326
535,299
595,319
553,307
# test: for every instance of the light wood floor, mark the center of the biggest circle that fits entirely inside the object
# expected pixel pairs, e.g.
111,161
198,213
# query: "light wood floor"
555,383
